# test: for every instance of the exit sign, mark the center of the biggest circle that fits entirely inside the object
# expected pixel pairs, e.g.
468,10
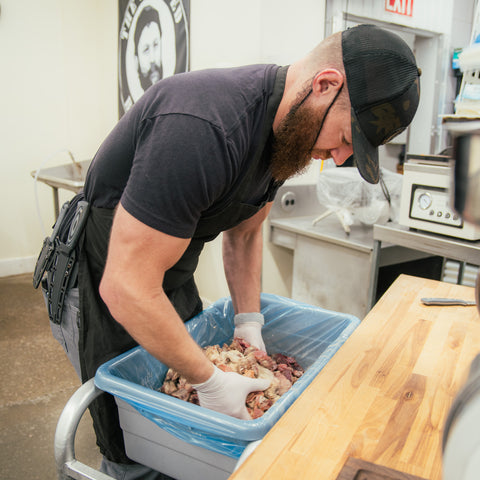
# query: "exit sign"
402,7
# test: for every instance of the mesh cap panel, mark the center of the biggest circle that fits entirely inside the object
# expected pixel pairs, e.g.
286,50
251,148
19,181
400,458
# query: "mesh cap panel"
382,80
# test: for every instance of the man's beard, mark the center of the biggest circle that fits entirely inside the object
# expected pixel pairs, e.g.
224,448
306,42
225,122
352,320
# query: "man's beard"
293,143
154,73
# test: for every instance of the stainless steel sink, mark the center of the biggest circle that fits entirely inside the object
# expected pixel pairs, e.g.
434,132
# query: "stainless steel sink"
70,176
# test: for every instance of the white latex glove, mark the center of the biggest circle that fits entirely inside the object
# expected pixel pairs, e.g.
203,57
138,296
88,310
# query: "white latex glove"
226,392
249,327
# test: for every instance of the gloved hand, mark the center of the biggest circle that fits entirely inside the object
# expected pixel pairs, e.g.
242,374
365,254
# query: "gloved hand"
226,392
249,327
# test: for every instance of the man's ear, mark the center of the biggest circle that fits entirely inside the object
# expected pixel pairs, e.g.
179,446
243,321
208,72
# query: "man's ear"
327,81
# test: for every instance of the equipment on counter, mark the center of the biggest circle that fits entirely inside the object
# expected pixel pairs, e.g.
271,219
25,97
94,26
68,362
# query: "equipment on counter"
425,200
345,193
461,439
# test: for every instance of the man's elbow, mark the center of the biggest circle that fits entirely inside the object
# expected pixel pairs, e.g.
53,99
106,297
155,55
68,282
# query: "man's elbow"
111,294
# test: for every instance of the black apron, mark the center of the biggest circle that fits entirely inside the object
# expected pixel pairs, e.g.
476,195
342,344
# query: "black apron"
101,337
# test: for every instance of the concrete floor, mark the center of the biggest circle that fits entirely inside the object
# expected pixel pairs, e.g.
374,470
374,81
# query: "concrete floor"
36,382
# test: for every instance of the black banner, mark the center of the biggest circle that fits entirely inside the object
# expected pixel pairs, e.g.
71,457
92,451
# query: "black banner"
153,43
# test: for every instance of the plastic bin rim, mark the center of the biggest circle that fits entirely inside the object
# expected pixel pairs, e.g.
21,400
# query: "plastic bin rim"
214,422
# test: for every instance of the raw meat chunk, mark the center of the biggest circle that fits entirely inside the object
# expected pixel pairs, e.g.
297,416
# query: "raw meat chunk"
242,358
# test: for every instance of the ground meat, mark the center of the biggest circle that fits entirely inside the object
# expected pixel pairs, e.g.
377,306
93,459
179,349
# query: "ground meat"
240,357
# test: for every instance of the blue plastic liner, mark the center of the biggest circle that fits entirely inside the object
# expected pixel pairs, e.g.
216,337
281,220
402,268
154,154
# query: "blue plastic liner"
310,334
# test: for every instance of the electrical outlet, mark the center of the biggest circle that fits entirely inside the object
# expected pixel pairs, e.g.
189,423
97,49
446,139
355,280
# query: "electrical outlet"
288,201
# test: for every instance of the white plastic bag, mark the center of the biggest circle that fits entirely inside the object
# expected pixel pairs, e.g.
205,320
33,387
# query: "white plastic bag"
343,191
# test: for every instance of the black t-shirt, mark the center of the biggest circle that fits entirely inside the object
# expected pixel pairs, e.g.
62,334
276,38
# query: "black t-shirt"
184,146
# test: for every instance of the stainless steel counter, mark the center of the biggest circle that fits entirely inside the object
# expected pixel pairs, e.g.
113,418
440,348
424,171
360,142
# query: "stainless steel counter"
331,268
448,247
464,251
329,230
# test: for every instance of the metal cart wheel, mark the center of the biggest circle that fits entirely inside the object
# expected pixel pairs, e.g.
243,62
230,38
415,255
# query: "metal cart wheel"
67,465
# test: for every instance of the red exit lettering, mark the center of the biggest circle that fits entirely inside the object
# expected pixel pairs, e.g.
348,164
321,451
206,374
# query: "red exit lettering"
402,7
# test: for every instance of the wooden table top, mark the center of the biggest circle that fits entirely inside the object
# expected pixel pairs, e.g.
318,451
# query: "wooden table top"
384,397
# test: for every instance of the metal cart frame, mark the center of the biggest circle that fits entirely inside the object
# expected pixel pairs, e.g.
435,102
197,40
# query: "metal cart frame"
68,466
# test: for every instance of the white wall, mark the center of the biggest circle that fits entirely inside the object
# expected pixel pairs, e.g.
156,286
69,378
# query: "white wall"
58,91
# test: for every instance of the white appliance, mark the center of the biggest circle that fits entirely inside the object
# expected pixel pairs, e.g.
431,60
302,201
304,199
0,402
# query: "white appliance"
461,436
425,202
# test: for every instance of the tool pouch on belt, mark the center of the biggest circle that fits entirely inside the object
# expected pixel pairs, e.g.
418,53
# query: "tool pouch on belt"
58,257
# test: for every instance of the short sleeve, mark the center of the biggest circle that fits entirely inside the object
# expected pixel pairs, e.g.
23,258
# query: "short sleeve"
181,167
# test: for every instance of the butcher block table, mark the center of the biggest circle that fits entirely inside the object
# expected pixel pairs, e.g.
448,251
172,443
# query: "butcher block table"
383,398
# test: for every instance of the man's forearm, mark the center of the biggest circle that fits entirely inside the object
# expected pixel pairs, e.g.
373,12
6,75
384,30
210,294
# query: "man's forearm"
153,322
242,258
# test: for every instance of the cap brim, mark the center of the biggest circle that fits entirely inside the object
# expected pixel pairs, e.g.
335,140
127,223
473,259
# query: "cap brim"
364,153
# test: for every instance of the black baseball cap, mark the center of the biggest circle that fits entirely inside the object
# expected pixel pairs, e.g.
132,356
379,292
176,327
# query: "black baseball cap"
384,88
